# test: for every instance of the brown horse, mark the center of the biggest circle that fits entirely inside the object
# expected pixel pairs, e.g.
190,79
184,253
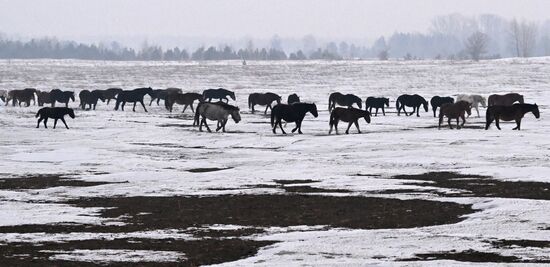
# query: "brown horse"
263,99
186,99
25,95
351,115
454,111
504,100
510,113
43,98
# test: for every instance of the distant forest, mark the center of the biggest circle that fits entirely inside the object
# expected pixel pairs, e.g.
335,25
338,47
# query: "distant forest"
451,36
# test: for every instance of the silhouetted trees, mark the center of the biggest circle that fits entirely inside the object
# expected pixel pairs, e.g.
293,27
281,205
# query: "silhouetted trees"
476,45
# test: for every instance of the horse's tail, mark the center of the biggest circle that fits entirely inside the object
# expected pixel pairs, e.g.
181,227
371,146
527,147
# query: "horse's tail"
329,102
38,113
250,101
331,119
197,115
397,104
272,118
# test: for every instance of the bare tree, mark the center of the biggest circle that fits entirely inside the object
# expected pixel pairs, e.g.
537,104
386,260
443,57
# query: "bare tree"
523,37
476,45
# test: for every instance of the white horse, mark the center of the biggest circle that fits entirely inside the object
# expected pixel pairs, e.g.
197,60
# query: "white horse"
475,100
218,112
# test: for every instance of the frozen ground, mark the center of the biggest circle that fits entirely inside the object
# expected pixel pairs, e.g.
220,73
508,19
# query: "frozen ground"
158,154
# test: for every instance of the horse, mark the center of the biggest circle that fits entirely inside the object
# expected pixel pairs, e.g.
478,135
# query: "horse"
186,99
54,113
110,93
219,93
61,97
475,100
351,115
3,95
505,100
293,98
43,97
414,101
134,96
509,113
159,94
216,111
343,100
291,113
25,95
438,101
90,98
376,102
263,100
454,111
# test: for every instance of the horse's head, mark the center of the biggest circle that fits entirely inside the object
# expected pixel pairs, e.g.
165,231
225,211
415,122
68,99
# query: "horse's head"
469,108
150,91
386,101
101,97
235,115
278,100
425,104
367,116
71,113
3,98
232,95
521,101
536,111
71,94
313,110
359,102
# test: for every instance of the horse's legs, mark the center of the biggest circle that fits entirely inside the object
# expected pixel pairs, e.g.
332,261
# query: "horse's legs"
518,123
376,112
158,101
497,122
434,109
108,100
152,99
63,120
206,124
488,122
280,125
224,123
417,111
45,122
383,111
39,120
143,105
463,120
266,107
440,121
253,108
449,122
67,104
349,125
477,110
122,106
457,123
134,109
184,107
55,123
192,110
357,125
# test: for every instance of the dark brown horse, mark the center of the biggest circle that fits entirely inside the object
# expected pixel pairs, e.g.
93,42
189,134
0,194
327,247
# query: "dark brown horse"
54,113
514,112
61,97
90,98
186,99
351,115
414,101
159,94
133,96
438,101
43,97
263,100
25,95
454,111
343,100
110,93
377,102
291,113
293,98
504,100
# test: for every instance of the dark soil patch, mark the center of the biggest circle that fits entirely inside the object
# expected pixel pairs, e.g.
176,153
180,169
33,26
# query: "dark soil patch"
480,186
310,189
306,181
465,256
507,243
44,181
198,170
197,252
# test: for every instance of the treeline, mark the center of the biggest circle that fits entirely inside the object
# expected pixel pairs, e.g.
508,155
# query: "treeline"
452,36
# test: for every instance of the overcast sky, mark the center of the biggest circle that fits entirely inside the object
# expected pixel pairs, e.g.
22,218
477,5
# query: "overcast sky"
238,18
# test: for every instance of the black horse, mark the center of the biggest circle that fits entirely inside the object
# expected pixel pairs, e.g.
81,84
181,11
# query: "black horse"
219,93
54,113
351,115
263,100
291,113
43,98
57,95
186,99
134,96
159,94
90,98
110,93
25,95
509,113
438,101
377,103
343,100
414,101
293,98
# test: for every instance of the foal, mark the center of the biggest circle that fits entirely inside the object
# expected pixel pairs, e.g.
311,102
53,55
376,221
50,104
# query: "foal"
53,113
351,115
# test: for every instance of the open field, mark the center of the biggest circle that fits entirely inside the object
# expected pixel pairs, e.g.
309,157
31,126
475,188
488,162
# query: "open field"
125,187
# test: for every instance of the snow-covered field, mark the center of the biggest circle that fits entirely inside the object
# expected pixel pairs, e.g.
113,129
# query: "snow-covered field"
153,153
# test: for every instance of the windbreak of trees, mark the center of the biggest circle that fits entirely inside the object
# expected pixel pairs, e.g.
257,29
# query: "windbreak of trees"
451,36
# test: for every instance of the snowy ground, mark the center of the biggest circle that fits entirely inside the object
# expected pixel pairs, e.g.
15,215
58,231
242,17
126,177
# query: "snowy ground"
152,152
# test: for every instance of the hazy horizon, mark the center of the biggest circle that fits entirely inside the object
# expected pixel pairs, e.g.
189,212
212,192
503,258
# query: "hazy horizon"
169,21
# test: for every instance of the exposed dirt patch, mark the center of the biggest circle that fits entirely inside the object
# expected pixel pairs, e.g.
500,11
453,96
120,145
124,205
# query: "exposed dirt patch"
507,243
465,256
480,186
197,252
306,181
44,181
198,170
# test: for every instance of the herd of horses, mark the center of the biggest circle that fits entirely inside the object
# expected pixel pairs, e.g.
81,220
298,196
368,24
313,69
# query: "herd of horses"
507,107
